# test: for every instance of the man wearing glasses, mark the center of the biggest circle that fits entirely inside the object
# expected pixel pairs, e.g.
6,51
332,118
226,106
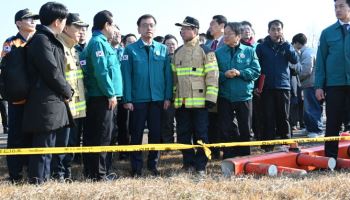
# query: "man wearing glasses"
25,22
147,90
195,88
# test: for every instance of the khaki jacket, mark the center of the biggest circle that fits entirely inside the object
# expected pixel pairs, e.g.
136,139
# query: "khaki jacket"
74,76
196,75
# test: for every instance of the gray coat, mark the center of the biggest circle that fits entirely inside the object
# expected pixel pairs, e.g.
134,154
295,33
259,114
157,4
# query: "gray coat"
307,60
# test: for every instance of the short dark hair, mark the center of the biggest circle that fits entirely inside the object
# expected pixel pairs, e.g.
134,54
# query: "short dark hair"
159,39
168,37
101,18
127,36
236,27
275,22
347,1
51,11
146,16
299,38
220,19
208,35
246,23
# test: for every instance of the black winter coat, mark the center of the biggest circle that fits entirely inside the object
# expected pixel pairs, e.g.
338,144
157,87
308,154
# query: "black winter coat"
45,109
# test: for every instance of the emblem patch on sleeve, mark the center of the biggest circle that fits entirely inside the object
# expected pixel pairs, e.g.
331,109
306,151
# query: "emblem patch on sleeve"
83,62
99,54
211,57
7,49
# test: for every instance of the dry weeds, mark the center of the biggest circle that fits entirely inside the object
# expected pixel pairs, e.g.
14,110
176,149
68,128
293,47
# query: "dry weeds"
175,184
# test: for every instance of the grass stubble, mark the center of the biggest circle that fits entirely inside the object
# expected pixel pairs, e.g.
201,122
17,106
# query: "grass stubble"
176,184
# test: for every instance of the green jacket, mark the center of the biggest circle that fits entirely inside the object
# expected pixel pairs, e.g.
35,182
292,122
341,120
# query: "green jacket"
244,59
333,57
101,68
146,77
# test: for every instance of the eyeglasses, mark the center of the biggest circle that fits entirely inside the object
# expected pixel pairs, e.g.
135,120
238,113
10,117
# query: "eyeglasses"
145,25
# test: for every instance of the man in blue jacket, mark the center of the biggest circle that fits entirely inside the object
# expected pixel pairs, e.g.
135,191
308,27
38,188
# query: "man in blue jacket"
274,55
239,68
103,82
333,72
147,90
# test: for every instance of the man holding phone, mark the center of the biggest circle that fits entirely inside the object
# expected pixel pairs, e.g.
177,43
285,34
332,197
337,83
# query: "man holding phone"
274,56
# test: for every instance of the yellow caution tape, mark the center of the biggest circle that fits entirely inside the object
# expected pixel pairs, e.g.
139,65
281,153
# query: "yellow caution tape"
281,142
161,147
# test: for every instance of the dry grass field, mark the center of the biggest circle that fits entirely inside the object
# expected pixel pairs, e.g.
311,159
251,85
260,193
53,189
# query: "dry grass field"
176,184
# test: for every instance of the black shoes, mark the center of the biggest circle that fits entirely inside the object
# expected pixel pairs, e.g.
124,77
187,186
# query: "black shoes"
154,172
136,173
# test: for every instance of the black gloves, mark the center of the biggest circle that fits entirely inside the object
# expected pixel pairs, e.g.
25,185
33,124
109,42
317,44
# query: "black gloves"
209,104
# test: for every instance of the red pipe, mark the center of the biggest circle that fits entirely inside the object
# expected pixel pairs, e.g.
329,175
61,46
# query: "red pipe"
290,171
260,168
316,161
343,163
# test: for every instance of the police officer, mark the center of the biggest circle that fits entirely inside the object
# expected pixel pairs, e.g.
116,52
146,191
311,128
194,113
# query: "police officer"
196,87
148,85
104,84
239,67
25,22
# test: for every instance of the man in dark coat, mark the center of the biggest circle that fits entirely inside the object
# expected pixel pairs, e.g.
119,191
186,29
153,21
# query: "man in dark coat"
274,55
46,110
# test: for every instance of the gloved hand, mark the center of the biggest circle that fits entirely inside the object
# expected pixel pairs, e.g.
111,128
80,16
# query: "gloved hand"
209,104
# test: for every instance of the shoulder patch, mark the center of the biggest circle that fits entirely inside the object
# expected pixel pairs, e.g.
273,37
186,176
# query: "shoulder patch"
83,62
99,53
6,49
211,57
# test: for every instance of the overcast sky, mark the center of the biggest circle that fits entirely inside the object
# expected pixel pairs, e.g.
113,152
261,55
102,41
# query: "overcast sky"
307,16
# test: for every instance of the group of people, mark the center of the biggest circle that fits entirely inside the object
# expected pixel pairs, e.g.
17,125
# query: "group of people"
218,89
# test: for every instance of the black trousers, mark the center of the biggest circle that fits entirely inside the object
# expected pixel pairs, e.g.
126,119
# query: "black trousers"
276,113
258,117
149,112
123,137
192,125
213,132
336,104
99,126
167,128
228,111
17,139
57,165
39,168
4,114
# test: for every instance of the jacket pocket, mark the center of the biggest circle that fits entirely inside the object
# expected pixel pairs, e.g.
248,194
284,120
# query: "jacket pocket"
198,89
